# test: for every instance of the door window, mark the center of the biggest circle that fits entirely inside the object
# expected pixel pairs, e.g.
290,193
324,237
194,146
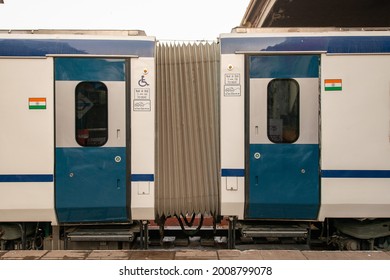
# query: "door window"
91,114
283,111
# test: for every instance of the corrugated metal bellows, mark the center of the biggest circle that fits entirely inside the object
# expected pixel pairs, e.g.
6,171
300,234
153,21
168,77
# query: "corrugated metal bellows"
187,129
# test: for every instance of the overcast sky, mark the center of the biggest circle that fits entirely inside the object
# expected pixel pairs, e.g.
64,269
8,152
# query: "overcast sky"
166,20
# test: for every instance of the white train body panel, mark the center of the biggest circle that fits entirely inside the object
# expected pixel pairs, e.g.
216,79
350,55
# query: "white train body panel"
232,128
143,139
355,137
26,141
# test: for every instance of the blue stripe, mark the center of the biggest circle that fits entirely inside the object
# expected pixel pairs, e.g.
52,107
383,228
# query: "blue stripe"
355,173
19,178
331,44
43,47
142,177
233,172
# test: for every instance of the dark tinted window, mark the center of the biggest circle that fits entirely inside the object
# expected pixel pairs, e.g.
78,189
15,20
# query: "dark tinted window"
283,111
91,114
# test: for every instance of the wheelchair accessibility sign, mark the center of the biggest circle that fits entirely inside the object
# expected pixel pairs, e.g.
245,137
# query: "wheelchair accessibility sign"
142,82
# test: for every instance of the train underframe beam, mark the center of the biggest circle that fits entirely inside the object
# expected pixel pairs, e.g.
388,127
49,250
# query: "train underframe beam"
144,234
232,232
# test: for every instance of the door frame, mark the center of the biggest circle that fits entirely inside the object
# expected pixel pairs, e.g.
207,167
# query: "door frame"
247,121
126,125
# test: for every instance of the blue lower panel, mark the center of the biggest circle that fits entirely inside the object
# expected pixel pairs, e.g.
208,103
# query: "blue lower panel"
283,182
91,185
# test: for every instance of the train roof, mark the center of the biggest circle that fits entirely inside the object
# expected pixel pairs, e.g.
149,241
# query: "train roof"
315,40
37,43
99,32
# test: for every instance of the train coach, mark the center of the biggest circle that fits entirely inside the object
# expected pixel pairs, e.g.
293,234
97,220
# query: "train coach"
77,129
305,129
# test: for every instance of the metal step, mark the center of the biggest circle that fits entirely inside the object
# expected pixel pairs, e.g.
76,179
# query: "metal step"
274,231
99,234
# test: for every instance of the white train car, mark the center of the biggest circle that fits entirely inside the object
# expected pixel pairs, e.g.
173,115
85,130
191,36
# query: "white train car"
305,130
77,126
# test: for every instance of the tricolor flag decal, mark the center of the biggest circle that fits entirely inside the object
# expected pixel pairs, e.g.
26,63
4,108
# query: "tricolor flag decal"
37,103
333,84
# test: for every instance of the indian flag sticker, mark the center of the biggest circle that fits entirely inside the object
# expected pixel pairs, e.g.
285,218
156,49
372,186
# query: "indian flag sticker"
37,103
333,84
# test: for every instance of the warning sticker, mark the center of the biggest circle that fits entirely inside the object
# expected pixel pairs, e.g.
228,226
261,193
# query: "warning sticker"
232,79
142,105
142,93
232,90
232,85
142,102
